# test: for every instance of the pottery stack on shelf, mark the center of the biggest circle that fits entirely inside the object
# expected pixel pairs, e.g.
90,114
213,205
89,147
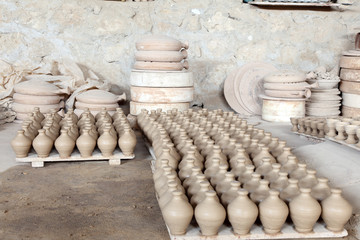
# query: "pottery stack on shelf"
158,78
325,99
95,100
350,82
284,96
37,93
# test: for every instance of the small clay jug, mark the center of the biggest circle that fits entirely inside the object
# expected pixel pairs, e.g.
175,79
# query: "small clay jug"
21,144
219,176
195,186
321,190
225,184
291,191
280,183
273,144
127,141
273,213
200,195
283,157
86,144
165,155
64,144
310,180
273,174
213,169
278,149
186,170
240,153
231,194
210,214
299,172
242,213
42,144
336,211
247,175
253,183
264,153
188,181
106,143
265,167
177,214
239,168
261,192
190,154
290,165
304,211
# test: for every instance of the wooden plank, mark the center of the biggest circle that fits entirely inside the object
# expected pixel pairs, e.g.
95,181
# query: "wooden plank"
295,4
35,161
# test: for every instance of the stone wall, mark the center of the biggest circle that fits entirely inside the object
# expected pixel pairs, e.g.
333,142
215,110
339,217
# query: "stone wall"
223,35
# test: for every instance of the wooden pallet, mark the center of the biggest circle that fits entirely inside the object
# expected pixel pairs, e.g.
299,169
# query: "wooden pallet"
35,161
343,143
225,232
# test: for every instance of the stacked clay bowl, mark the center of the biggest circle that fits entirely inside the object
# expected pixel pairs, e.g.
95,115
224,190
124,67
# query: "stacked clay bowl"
96,100
350,83
285,94
158,79
39,94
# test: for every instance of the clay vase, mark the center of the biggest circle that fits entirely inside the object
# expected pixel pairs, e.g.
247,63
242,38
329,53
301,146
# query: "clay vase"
106,143
188,181
213,169
304,211
177,214
265,167
278,149
331,125
186,170
240,154
294,122
42,144
321,127
239,168
299,172
261,192
253,183
273,213
273,174
200,195
310,180
225,184
165,155
336,211
340,127
280,183
195,187
242,213
290,165
86,144
247,175
231,194
321,190
127,141
291,191
283,157
21,144
210,214
351,132
64,144
219,176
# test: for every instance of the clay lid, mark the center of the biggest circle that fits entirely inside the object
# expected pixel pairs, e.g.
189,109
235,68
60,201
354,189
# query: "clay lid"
98,96
39,87
159,43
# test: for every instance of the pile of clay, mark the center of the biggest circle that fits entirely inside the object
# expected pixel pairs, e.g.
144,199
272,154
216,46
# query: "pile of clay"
213,165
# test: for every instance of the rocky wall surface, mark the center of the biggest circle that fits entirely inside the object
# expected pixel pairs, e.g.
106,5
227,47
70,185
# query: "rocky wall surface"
101,35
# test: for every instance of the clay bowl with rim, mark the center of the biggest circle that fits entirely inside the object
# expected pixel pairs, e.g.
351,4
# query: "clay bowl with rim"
326,84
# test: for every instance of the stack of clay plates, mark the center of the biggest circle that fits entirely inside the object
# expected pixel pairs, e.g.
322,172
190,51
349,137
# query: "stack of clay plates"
350,83
95,100
284,95
158,79
244,85
37,93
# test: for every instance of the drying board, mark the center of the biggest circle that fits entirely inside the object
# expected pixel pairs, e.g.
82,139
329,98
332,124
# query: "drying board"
343,143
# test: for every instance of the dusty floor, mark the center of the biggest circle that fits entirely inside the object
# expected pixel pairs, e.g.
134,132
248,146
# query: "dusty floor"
88,200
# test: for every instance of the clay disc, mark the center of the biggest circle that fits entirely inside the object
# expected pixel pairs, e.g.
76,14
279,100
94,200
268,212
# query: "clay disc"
97,107
135,107
34,99
350,62
161,78
39,88
350,112
160,56
249,83
159,43
97,96
350,75
26,108
350,87
161,95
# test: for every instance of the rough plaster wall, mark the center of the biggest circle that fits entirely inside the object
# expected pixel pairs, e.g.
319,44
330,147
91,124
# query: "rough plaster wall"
222,35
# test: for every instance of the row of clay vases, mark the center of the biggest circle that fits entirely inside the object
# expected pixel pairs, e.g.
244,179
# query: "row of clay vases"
345,129
310,126
277,194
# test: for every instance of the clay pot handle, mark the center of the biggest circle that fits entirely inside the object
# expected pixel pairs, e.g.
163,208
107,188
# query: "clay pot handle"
186,64
185,45
184,53
121,97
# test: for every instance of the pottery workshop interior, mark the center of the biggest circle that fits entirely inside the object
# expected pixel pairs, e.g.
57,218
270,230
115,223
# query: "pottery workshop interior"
178,119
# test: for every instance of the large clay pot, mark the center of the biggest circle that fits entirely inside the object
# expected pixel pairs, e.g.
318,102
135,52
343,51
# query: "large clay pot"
106,143
86,144
42,144
177,214
336,211
200,195
242,213
304,211
291,191
210,214
64,144
273,213
21,144
127,141
321,190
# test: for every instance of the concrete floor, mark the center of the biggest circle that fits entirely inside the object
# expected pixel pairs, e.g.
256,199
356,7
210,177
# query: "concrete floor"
92,200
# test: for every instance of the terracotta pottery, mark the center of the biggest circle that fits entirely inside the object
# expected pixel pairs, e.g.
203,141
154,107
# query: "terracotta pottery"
264,153
273,174
299,172
64,144
210,214
281,182
42,144
273,213
189,181
291,191
321,190
96,106
42,88
288,94
97,96
261,192
35,99
283,157
290,165
304,211
161,66
44,108
106,143
127,141
336,211
161,56
220,175
231,194
247,175
200,195
242,213
351,132
265,167
177,214
279,148
86,144
253,183
21,144
350,62
310,180
239,168
159,43
211,171
225,184
351,75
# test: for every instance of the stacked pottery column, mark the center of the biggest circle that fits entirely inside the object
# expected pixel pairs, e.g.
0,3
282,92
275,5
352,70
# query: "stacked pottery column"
160,78
350,83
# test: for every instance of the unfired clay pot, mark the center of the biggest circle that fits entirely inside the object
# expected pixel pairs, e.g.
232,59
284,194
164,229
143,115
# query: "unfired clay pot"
336,211
304,211
21,144
86,144
42,144
166,66
210,214
242,213
127,141
159,43
106,143
321,190
64,144
231,194
273,213
177,214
